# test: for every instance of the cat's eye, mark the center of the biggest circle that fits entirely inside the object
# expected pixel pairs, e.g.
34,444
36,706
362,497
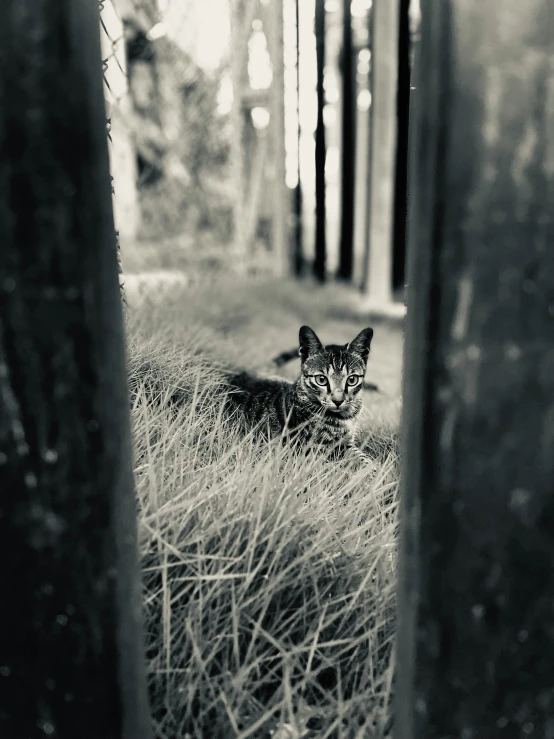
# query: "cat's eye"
321,380
352,380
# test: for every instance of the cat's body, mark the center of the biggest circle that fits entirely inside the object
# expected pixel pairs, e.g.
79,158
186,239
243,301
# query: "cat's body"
322,406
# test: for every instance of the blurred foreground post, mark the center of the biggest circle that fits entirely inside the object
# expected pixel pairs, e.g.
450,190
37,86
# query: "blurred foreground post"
476,634
71,654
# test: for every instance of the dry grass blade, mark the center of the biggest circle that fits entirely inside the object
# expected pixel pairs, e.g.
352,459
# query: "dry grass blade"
268,575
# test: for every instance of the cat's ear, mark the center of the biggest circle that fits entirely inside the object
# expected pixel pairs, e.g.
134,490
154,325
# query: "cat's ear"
309,343
360,345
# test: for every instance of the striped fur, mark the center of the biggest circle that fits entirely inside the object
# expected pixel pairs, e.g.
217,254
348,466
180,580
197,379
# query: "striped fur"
324,403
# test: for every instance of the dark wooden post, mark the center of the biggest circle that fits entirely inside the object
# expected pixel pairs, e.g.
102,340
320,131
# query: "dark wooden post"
320,262
476,634
348,145
71,657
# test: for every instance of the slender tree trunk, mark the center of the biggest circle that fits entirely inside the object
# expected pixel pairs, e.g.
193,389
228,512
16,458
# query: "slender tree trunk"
383,150
239,40
402,124
320,261
298,241
475,640
281,206
364,283
71,653
346,253
259,155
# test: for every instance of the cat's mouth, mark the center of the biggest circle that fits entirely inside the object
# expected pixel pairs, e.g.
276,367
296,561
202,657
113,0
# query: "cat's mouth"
343,411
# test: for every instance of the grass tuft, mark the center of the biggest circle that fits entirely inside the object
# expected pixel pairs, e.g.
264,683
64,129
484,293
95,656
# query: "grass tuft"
268,575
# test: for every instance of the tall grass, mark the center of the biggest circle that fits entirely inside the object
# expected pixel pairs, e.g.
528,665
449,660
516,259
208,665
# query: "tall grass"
268,575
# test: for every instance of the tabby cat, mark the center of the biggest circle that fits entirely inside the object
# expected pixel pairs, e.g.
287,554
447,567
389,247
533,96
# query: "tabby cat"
323,404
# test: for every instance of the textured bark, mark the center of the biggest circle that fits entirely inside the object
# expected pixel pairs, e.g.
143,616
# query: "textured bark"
71,659
476,635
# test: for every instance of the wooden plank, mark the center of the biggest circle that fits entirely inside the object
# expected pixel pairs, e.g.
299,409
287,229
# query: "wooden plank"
71,654
475,638
383,150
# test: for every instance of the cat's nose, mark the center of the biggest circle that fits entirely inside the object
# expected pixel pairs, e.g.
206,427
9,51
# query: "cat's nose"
338,403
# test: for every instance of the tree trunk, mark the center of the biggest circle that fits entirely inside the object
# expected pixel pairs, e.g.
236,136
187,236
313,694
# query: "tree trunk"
320,262
298,259
281,205
364,281
402,125
349,109
383,150
239,42
476,633
71,654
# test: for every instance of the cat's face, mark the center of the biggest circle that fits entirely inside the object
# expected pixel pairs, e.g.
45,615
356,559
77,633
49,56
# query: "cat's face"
333,375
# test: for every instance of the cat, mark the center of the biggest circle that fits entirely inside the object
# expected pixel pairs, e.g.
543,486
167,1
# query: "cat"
322,406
